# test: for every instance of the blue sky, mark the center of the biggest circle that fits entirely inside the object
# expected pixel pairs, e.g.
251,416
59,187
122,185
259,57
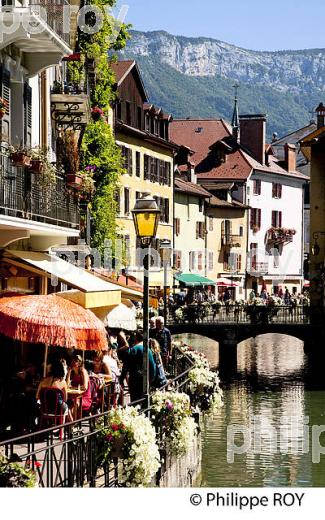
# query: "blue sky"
252,24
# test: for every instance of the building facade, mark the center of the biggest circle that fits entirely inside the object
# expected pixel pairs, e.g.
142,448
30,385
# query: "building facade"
142,132
235,164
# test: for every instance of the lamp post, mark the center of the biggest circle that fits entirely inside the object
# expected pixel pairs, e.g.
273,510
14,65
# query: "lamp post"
146,217
166,248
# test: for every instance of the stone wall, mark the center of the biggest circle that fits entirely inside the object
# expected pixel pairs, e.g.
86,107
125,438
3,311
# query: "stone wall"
182,472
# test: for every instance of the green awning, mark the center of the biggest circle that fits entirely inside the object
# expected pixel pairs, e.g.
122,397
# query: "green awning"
194,280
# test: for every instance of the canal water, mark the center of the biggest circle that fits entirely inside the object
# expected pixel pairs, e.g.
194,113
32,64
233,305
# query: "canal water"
271,405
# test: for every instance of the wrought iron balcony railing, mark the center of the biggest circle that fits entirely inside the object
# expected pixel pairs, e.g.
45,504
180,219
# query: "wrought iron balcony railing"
229,240
22,195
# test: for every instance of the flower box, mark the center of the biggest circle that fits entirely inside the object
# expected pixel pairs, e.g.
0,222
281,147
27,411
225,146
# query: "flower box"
36,166
21,159
75,181
117,446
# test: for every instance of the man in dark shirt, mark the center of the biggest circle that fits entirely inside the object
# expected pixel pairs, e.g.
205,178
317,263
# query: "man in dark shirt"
133,364
164,338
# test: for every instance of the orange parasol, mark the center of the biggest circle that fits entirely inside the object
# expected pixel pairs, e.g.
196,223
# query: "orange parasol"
51,320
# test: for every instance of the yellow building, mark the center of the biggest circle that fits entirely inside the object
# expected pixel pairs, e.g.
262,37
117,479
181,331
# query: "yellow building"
142,132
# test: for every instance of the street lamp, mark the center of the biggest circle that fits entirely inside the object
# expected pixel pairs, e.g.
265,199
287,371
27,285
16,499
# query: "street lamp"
146,217
166,249
315,248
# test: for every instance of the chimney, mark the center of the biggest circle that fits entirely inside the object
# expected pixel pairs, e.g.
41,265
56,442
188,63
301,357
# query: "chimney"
253,135
290,157
191,173
320,111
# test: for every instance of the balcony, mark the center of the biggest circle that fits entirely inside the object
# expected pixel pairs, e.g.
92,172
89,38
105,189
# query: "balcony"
228,240
38,28
23,197
276,236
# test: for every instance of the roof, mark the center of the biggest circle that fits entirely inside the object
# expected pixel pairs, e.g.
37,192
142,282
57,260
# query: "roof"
202,135
220,186
219,203
122,69
184,186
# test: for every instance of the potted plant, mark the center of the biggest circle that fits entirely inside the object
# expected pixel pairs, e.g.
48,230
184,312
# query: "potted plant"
13,475
41,165
20,156
3,107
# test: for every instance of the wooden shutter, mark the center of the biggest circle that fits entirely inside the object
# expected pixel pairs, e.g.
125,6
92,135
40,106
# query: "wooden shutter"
167,210
223,227
274,219
280,191
5,93
273,190
146,167
27,115
252,218
197,230
280,219
259,218
130,161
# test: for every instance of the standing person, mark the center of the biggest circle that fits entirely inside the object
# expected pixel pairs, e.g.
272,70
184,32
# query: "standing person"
133,365
160,379
164,338
115,374
287,296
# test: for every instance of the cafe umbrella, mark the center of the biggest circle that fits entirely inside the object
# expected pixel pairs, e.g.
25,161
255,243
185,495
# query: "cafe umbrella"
52,321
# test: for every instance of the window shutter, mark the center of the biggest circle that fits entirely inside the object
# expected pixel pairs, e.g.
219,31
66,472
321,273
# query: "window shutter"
223,228
167,210
280,191
252,222
280,219
259,212
273,190
27,115
5,92
197,230
273,219
130,161
146,167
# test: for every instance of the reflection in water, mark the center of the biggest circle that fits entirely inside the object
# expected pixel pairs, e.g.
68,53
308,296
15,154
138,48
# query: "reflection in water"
268,396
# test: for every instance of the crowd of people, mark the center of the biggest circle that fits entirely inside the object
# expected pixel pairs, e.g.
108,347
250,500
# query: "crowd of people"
93,382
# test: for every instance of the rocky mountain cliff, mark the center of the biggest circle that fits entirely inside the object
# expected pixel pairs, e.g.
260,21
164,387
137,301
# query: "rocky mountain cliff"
287,84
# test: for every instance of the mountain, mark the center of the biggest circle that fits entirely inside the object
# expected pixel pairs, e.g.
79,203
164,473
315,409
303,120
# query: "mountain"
194,77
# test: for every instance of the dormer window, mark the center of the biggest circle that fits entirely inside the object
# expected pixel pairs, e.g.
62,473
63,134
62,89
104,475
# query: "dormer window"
199,130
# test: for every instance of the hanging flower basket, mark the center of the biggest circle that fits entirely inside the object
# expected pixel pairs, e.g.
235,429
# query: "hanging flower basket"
21,159
36,166
75,181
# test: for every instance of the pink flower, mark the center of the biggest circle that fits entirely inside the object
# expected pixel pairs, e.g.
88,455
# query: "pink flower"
169,405
109,437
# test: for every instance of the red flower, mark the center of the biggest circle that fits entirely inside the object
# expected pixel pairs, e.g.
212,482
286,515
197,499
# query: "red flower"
38,464
115,427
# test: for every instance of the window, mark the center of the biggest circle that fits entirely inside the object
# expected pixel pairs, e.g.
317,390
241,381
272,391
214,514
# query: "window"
139,115
253,256
128,112
238,262
177,225
276,256
118,201
119,110
276,219
126,201
226,229
146,167
192,260
210,223
138,164
177,259
127,155
211,260
277,191
256,217
257,187
241,231
200,261
200,230
226,257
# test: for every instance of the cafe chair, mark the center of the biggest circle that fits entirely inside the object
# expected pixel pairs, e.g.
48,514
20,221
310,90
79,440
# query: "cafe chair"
91,407
51,409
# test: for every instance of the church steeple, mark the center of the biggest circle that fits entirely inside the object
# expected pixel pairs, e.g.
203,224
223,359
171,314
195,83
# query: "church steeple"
235,117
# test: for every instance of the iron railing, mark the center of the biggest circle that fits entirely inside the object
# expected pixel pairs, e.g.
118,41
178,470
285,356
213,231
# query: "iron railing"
239,314
22,195
73,460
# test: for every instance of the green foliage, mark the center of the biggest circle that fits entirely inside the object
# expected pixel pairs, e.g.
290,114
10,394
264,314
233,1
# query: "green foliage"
100,151
13,475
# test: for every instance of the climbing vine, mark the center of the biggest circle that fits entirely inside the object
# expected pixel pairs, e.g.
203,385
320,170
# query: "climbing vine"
100,156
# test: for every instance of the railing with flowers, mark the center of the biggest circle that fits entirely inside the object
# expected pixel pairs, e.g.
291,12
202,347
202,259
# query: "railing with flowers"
280,235
123,447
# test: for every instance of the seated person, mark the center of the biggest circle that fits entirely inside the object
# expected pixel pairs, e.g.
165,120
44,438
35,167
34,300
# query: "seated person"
56,381
101,365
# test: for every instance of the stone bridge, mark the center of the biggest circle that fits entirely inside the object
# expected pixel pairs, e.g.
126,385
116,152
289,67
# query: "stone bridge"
232,326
